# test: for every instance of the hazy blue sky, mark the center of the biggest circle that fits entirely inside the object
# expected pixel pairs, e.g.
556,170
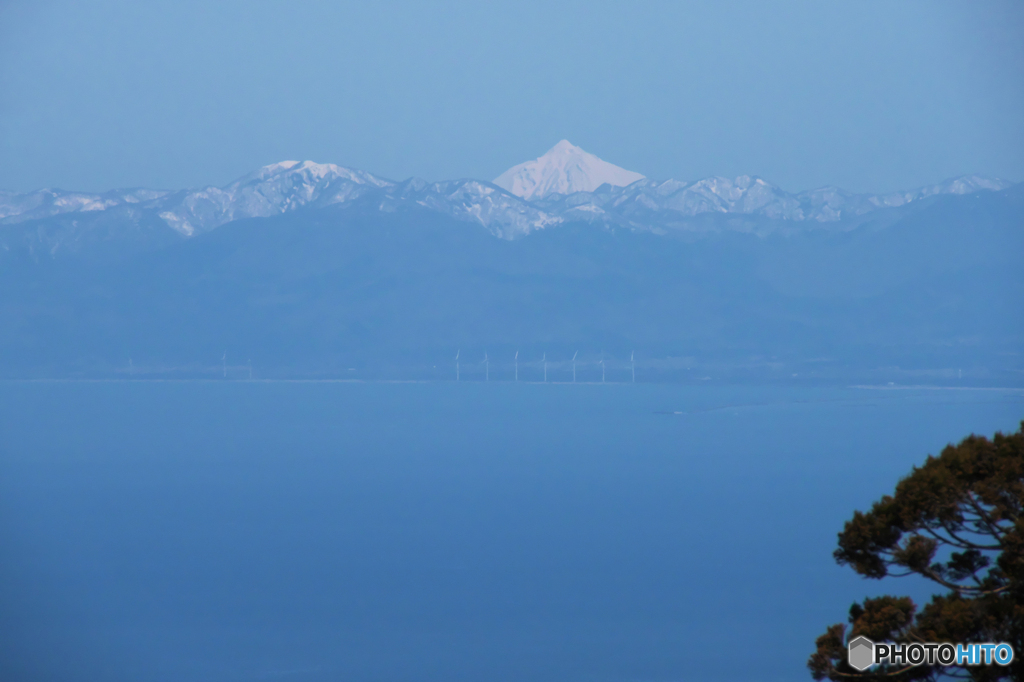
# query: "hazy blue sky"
867,95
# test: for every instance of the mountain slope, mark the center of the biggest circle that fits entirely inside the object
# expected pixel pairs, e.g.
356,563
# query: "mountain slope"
931,289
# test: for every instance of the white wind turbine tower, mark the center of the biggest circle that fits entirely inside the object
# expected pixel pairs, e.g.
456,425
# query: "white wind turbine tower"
574,366
224,364
457,353
545,360
602,367
487,367
632,365
517,365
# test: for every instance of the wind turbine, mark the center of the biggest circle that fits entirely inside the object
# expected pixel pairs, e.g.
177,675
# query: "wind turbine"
602,367
632,365
517,365
574,366
487,367
224,363
545,360
457,353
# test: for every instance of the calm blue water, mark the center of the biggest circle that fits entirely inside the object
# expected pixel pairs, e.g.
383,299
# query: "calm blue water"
301,532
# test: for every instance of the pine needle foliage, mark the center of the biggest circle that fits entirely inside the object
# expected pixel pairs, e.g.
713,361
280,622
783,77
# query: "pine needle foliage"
956,521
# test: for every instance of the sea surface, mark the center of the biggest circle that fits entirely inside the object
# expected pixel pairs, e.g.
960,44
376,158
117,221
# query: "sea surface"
247,530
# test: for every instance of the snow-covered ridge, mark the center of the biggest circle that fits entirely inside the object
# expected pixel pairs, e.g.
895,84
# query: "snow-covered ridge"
271,190
288,186
565,185
649,201
47,202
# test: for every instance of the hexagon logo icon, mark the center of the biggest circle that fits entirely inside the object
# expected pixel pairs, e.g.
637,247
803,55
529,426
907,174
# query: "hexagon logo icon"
860,653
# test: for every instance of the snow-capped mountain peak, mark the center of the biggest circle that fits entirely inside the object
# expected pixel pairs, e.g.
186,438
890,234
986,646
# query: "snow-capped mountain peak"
308,172
563,169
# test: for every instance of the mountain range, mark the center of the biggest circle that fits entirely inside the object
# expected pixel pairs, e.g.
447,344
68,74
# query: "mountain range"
315,270
564,185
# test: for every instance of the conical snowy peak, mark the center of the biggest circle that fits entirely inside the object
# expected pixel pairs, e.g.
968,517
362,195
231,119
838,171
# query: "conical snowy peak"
564,169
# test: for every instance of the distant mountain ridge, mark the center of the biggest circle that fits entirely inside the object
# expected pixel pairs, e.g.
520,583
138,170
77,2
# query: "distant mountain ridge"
549,189
316,270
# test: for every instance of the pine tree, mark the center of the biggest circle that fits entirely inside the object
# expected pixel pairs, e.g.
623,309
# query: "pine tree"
956,521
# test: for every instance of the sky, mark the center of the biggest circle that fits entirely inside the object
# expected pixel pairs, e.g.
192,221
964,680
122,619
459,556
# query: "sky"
870,96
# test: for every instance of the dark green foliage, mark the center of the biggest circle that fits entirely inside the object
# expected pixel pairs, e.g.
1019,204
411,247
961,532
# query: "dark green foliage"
957,521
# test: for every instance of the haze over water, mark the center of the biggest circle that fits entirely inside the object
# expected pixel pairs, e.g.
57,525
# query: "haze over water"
442,531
